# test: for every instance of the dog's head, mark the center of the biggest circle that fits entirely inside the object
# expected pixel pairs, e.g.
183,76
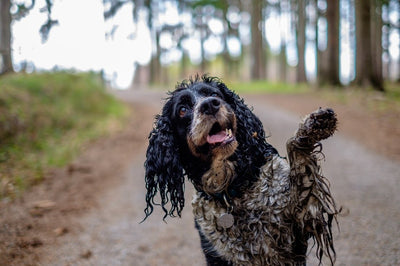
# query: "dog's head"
204,121
206,132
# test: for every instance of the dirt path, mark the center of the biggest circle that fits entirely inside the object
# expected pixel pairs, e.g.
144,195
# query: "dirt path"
97,202
364,183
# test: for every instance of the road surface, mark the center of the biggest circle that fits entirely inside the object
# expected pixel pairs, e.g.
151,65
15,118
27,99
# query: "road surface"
366,185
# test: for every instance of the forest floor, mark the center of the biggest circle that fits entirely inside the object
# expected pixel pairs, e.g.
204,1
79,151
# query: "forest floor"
89,212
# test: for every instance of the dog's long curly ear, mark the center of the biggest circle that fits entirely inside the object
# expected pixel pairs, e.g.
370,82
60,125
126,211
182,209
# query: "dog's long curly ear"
164,172
251,134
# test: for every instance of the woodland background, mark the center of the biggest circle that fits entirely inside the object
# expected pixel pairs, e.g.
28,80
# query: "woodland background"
354,42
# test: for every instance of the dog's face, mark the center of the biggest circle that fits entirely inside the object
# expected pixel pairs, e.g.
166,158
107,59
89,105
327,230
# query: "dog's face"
205,121
206,133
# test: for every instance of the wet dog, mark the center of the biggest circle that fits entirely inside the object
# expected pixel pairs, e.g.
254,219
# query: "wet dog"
251,206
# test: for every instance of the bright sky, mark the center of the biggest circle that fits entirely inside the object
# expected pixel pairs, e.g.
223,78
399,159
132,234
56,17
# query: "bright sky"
79,41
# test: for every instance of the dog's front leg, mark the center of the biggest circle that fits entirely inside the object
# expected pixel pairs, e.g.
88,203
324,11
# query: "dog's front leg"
313,205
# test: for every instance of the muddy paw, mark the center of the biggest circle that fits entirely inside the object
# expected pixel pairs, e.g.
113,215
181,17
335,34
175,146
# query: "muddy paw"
317,126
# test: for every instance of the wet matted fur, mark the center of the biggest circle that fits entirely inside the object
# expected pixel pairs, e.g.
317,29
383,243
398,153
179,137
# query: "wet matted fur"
274,205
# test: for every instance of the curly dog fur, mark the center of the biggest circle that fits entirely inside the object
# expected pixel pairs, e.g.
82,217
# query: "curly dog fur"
251,206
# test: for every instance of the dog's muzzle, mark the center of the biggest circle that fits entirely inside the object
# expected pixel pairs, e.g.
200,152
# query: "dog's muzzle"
213,128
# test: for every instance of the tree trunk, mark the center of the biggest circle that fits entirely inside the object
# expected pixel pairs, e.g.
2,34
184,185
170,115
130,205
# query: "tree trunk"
155,76
155,66
352,37
183,65
362,14
283,63
203,36
321,64
282,55
364,60
258,61
5,37
376,43
398,64
228,62
332,16
301,41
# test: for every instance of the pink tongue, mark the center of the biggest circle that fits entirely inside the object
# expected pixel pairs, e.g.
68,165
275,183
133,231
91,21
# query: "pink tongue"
217,138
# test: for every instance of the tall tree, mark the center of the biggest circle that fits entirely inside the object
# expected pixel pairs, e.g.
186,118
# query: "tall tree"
301,40
6,18
283,7
364,59
155,64
331,75
321,64
258,57
201,24
228,62
204,10
376,42
5,37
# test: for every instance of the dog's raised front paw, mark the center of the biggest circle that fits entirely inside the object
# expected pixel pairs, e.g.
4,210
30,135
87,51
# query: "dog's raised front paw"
317,126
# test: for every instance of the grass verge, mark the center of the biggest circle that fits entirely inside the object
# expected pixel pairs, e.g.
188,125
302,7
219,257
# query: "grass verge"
45,119
261,86
366,97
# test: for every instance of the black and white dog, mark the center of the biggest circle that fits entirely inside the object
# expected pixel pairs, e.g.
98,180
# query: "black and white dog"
251,206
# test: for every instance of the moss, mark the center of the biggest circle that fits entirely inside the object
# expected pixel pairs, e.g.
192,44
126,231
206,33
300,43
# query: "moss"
262,86
44,120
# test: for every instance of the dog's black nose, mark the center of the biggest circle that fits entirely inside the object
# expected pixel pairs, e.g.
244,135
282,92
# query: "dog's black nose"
210,106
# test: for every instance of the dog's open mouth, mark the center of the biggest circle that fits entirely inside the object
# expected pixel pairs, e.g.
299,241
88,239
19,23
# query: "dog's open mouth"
219,136
213,135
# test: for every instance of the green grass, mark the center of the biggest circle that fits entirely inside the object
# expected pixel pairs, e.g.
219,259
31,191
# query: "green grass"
344,95
366,97
44,121
393,91
363,97
262,86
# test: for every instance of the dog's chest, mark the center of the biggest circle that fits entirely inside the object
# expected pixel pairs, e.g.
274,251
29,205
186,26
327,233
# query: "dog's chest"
259,231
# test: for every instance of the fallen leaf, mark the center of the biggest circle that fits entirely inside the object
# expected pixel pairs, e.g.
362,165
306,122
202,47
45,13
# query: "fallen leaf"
44,204
60,231
79,168
87,254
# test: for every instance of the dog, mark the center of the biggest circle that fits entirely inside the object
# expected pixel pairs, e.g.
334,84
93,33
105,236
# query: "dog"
251,206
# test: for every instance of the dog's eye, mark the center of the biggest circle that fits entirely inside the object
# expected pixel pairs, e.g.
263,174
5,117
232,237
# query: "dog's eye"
182,111
214,94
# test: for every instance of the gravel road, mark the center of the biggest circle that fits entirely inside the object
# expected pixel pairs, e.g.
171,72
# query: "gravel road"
364,183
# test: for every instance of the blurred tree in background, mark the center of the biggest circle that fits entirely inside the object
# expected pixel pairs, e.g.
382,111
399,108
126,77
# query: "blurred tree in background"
331,74
14,10
327,42
5,37
300,10
304,23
